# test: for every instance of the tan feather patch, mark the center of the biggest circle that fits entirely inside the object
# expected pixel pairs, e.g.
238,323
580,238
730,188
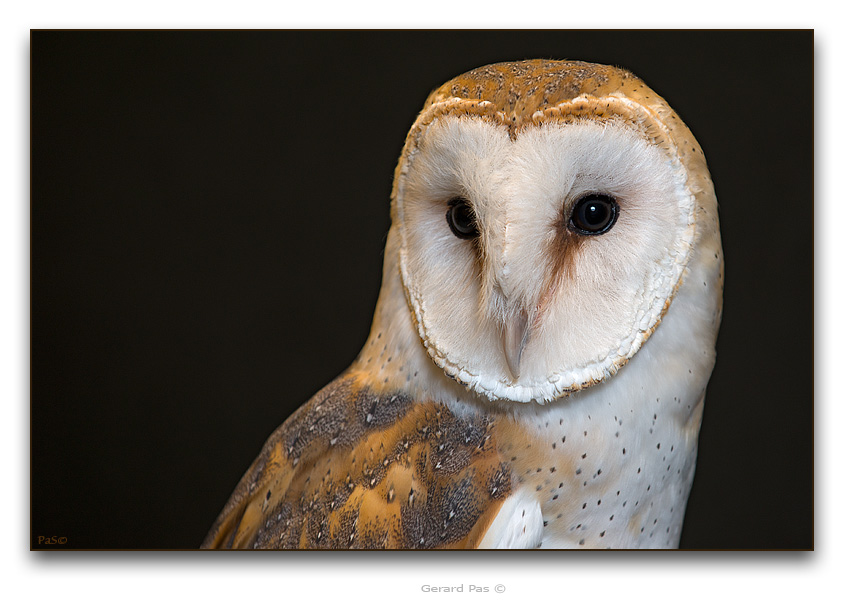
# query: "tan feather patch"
351,469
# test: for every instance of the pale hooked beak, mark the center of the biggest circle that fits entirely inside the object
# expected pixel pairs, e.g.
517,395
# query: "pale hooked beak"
516,333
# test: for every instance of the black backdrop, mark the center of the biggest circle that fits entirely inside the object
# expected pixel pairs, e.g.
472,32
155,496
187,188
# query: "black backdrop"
208,211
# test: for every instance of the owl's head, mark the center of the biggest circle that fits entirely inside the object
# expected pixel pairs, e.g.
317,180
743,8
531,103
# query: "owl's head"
545,213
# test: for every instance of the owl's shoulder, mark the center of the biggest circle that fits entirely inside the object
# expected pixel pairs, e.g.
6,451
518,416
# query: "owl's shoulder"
356,468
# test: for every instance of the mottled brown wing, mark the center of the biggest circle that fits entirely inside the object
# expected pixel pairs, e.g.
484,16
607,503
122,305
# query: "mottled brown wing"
356,469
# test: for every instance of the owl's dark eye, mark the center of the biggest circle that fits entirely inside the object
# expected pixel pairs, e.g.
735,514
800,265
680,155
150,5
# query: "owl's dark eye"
594,214
461,219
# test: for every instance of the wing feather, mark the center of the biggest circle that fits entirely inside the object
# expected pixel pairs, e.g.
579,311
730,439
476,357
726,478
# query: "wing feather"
356,469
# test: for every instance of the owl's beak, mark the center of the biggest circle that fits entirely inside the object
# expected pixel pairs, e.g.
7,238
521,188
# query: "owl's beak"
516,333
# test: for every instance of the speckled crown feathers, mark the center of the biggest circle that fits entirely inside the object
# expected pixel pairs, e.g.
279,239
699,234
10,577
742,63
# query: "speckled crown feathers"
524,93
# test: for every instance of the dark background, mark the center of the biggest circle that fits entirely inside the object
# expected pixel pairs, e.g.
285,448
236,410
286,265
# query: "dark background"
208,214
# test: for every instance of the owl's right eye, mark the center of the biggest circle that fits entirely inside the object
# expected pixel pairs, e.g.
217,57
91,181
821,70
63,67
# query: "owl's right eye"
461,219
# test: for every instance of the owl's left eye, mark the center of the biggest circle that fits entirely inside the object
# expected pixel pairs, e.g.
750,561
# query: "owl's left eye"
461,219
594,214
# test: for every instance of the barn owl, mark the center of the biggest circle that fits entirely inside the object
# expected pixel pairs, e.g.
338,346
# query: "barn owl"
542,342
